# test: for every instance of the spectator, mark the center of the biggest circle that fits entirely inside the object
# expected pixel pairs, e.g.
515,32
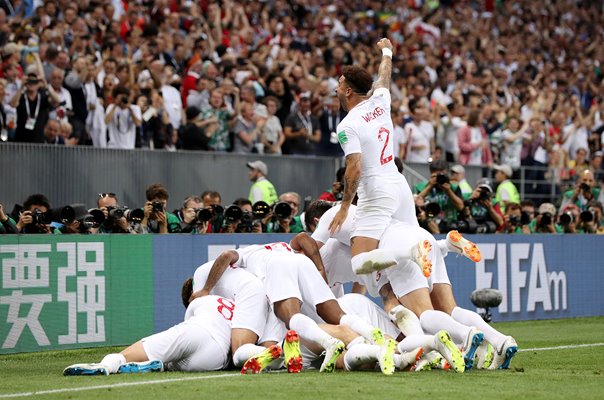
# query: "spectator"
271,134
419,133
247,131
33,107
122,119
474,148
506,190
75,83
7,225
156,218
65,108
197,133
262,188
511,143
438,189
52,132
301,129
329,119
220,140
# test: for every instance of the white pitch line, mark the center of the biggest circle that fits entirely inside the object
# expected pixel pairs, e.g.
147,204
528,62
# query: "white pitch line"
196,378
572,346
117,385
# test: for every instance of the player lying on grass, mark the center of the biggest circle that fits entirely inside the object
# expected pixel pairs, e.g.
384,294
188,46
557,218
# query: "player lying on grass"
200,343
411,286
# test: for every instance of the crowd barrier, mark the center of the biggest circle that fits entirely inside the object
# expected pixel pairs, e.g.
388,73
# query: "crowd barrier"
62,292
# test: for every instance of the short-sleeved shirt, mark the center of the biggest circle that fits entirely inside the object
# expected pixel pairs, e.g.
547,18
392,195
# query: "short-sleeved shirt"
368,129
301,145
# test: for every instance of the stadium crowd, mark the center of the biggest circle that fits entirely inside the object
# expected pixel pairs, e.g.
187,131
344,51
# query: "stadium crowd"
504,85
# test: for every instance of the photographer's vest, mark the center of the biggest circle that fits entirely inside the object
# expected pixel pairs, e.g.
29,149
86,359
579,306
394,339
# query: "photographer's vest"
269,194
508,186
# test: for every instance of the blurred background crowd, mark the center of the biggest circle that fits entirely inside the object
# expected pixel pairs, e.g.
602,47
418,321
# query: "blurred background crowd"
512,86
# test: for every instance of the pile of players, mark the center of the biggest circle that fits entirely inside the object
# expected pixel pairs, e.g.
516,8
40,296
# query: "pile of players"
280,305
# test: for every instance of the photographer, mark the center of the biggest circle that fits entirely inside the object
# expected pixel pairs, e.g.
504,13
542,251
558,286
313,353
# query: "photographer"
568,219
283,222
7,225
425,213
484,209
156,219
590,220
337,188
82,221
584,191
191,219
115,220
31,218
438,189
545,221
239,218
516,220
122,119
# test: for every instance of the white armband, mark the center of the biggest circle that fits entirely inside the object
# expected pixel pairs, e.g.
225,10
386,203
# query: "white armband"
387,52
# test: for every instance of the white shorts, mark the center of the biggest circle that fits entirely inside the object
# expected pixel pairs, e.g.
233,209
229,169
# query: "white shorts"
404,279
274,331
188,346
363,307
439,270
336,259
295,276
251,308
380,201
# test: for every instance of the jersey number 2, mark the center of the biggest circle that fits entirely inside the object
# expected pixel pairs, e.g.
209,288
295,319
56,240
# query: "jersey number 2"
226,308
381,133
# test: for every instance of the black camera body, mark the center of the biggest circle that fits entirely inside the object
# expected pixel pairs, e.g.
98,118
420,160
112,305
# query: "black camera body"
485,194
40,218
203,215
585,187
157,206
566,218
546,219
442,178
115,212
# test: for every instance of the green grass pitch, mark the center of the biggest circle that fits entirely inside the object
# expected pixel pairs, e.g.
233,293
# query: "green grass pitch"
536,373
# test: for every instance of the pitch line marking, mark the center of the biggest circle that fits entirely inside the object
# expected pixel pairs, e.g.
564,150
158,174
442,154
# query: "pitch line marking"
196,378
573,346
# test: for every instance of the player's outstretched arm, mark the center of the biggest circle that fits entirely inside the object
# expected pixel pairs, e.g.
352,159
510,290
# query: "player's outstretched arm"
220,265
307,245
385,70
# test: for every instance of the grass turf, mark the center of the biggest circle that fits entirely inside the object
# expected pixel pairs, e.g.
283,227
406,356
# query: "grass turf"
551,374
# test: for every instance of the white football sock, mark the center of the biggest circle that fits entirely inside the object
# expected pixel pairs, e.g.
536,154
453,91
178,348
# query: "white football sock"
113,362
361,354
433,321
245,352
358,325
411,343
309,330
470,318
443,246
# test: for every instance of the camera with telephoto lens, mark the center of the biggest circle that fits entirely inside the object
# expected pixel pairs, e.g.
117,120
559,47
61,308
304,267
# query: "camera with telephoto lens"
232,214
158,206
134,215
524,219
203,215
431,209
40,218
546,219
485,194
441,178
115,212
281,210
566,218
587,216
585,187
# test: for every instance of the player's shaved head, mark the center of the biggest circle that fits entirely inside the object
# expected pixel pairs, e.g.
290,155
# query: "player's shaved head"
359,80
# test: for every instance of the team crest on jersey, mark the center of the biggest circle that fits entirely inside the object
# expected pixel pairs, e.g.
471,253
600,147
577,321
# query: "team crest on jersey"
342,138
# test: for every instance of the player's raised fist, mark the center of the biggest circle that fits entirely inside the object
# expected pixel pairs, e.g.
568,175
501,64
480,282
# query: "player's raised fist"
384,43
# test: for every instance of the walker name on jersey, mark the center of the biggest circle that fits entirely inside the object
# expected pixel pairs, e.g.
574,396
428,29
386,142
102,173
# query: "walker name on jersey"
522,277
377,112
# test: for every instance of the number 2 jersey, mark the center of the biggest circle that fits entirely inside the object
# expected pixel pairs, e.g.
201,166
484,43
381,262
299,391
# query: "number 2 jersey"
368,129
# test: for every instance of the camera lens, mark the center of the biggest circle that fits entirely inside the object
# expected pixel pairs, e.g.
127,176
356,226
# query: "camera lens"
203,214
157,206
283,210
586,216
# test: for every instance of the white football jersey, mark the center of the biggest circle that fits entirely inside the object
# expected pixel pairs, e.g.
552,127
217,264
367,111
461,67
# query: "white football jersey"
254,258
215,313
368,129
232,281
321,233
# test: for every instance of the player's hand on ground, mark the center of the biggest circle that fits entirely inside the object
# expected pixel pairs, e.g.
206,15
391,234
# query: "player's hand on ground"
338,221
